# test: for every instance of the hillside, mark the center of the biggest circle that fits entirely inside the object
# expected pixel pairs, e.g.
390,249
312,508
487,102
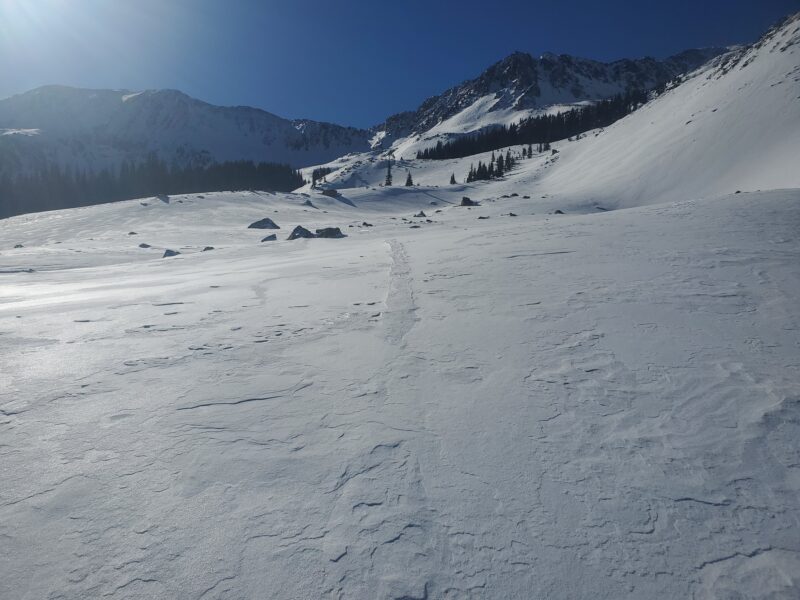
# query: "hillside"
733,125
96,129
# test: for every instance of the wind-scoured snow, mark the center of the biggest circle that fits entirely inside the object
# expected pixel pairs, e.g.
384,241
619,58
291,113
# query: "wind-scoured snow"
581,405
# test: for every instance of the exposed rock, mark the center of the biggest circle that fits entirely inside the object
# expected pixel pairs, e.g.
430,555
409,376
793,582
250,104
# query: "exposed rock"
466,201
482,217
414,227
270,238
365,224
300,232
330,232
168,253
421,214
330,193
207,248
512,214
19,246
559,212
143,245
132,233
265,223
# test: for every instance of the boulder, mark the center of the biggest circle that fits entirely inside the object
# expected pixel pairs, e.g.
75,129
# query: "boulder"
512,214
270,238
482,217
143,245
465,201
19,246
330,232
421,214
265,223
207,248
300,232
559,212
168,253
132,233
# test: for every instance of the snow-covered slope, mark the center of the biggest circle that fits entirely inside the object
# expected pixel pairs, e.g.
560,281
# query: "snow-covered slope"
734,126
574,406
96,129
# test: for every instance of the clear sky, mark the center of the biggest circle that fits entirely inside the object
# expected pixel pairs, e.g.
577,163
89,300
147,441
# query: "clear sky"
352,62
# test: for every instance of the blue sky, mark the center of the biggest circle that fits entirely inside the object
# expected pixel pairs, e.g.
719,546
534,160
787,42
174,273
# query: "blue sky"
351,62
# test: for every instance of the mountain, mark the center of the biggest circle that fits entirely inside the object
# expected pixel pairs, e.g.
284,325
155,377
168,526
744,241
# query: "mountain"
731,125
91,130
94,129
734,125
521,82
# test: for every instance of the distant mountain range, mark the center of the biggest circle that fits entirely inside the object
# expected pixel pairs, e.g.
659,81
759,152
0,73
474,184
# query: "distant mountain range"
91,130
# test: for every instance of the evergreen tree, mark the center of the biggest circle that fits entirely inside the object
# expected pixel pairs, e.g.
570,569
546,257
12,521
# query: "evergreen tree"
409,181
453,179
388,181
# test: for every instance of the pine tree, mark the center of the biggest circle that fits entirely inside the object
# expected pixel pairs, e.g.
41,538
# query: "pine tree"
409,181
453,179
388,181
499,169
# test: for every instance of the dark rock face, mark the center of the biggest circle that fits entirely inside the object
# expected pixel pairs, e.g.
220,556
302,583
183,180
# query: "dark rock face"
270,238
465,201
265,223
330,232
421,214
559,212
168,253
300,232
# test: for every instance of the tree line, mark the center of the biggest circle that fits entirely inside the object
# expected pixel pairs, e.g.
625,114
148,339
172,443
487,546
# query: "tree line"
496,168
541,129
52,188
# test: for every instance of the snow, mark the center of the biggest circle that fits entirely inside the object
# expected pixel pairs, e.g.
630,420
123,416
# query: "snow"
582,405
721,131
25,132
